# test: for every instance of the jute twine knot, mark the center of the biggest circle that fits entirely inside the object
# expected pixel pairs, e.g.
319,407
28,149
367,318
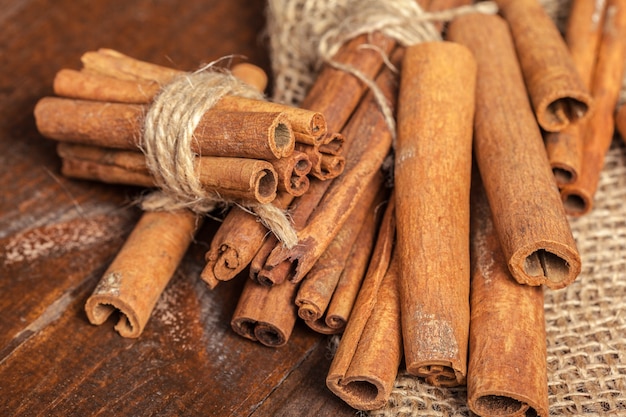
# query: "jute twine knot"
167,137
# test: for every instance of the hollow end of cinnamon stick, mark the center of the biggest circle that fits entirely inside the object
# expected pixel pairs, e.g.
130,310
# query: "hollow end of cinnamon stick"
270,335
564,174
100,307
576,201
244,327
336,322
545,263
362,394
501,404
265,184
308,311
282,139
439,374
554,114
276,275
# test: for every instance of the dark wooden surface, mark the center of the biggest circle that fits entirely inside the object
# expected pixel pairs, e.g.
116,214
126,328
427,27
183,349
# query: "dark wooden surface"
57,237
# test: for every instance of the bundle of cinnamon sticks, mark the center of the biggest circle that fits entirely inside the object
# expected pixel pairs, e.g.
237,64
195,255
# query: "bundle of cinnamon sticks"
473,230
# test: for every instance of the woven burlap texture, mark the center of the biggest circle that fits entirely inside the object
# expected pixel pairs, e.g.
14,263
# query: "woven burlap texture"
585,322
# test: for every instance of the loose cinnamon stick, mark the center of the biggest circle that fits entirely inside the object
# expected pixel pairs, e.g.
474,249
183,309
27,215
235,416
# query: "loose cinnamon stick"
557,93
364,159
435,114
599,128
345,294
367,359
137,276
235,243
292,173
507,369
266,314
251,134
317,288
584,28
238,179
529,217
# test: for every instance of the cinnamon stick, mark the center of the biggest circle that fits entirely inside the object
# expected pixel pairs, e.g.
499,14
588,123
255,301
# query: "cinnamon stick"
137,276
435,114
529,217
238,179
364,159
292,173
349,283
366,363
584,28
557,93
607,82
507,369
338,106
266,314
250,134
236,242
317,288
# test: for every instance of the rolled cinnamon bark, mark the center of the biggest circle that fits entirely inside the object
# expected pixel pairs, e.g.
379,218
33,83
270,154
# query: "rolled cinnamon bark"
139,273
252,134
556,90
364,159
345,294
529,217
599,128
435,114
292,173
266,314
235,243
332,143
238,179
582,35
507,369
317,288
366,363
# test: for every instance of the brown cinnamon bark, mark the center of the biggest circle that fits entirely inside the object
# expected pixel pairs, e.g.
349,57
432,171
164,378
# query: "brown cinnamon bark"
435,114
266,314
347,91
364,159
367,359
137,276
317,288
332,143
556,90
584,28
236,242
507,369
599,128
251,134
292,173
529,217
238,179
345,294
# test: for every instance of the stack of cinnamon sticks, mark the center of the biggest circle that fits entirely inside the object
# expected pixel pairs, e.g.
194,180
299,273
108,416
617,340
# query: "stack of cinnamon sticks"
246,148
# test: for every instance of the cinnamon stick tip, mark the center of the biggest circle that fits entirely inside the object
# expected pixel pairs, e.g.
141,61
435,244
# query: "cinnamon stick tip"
504,404
357,392
439,375
283,139
270,335
564,174
244,327
576,201
99,307
546,263
555,113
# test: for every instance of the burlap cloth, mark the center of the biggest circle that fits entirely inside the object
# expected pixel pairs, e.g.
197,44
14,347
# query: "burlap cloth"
585,322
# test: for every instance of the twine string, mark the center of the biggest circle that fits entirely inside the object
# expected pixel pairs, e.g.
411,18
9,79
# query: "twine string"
167,144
